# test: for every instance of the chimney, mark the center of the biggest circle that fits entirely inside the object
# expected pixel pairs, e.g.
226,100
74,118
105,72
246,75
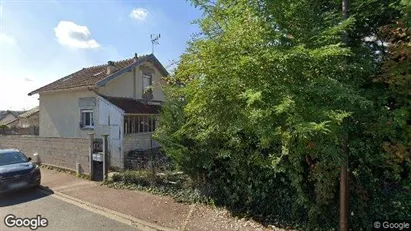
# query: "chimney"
135,57
111,68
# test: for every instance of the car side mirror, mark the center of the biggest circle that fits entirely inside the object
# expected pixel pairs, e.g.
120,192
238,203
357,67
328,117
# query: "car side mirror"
29,158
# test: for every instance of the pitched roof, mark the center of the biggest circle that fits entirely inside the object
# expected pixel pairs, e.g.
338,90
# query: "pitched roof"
5,113
25,114
29,112
97,75
133,106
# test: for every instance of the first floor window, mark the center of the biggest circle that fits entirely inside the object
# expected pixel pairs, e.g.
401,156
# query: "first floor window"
87,119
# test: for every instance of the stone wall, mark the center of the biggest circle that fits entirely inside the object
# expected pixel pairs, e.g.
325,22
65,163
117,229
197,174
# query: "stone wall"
20,131
136,160
61,152
138,141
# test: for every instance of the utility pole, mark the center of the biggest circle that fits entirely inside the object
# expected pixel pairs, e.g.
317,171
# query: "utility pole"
154,41
153,159
344,166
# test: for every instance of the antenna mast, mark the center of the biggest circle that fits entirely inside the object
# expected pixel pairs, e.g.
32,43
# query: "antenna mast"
154,41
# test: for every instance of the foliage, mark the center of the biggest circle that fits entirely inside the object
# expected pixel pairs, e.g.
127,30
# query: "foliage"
176,184
265,97
4,129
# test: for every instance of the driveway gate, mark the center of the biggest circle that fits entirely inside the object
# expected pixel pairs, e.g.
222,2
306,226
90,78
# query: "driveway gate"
97,164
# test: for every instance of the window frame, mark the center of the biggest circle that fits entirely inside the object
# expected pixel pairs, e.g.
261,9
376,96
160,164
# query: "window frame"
147,76
91,119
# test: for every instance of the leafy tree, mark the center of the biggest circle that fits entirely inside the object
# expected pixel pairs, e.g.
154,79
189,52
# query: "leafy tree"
268,96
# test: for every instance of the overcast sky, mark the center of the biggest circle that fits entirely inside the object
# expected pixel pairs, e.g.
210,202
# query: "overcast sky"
42,41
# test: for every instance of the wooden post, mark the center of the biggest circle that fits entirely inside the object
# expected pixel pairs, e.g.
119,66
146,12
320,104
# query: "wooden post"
125,125
145,123
91,150
133,126
152,123
138,123
105,157
153,170
128,125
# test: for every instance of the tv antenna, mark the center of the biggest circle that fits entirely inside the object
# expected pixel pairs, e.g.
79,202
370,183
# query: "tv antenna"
154,41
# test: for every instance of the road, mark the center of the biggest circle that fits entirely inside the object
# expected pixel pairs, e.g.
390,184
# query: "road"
60,214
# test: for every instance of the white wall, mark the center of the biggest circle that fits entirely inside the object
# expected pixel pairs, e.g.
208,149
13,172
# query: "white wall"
60,114
122,86
110,119
158,93
125,85
138,141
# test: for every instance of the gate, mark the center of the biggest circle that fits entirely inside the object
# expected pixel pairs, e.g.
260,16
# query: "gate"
97,164
98,157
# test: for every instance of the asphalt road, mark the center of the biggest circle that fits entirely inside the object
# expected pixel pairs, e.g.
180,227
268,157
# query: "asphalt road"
59,214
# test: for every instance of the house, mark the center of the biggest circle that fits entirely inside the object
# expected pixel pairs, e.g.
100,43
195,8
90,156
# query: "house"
27,119
122,99
7,116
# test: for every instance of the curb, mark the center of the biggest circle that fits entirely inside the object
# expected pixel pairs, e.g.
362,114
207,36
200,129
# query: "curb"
135,222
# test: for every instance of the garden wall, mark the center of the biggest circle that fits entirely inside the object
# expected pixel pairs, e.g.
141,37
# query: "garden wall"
61,152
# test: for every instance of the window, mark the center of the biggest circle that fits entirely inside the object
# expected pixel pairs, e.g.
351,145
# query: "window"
139,124
87,119
146,82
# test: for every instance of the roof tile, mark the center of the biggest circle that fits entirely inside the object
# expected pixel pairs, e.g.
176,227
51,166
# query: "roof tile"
133,106
85,77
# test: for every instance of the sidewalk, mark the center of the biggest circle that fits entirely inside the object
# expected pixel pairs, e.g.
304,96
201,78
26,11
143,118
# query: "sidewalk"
160,212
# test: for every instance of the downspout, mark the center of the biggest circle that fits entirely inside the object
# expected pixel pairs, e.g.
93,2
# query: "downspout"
134,84
135,77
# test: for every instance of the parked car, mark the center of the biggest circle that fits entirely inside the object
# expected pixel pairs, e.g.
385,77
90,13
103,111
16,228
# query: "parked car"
17,172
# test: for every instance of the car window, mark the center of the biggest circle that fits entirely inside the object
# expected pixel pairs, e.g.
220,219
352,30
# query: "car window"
12,158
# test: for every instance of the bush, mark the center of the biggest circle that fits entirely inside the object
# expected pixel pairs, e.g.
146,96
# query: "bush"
246,179
175,184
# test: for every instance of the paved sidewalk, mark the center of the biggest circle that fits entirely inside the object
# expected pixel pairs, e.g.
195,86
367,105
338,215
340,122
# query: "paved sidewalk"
160,212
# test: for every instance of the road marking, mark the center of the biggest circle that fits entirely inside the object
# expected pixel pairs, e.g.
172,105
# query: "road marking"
123,218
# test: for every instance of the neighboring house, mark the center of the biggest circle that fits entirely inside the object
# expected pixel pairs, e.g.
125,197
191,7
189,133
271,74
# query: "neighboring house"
27,119
7,116
122,99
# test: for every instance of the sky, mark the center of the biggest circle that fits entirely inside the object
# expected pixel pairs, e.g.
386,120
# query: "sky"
44,40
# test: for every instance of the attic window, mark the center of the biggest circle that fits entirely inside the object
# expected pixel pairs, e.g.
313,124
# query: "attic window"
97,74
147,82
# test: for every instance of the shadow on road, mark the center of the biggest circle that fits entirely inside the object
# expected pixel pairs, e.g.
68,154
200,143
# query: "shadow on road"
19,197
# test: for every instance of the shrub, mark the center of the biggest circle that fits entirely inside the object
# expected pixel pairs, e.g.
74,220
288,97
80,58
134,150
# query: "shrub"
175,184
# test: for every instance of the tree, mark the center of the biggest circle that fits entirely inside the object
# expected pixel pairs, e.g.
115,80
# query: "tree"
270,84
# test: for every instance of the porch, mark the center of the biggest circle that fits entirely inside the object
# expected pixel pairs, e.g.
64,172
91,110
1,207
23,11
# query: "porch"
133,126
138,132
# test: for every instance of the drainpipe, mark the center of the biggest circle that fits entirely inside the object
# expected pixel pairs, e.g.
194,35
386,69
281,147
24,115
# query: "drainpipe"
134,84
135,78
